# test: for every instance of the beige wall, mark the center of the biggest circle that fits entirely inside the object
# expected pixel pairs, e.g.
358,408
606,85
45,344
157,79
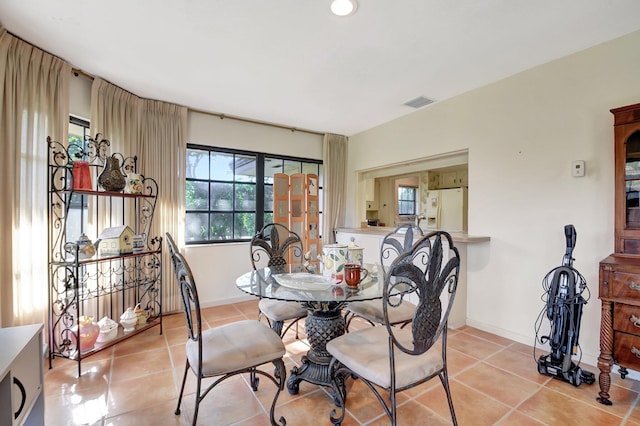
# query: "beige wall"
217,266
522,134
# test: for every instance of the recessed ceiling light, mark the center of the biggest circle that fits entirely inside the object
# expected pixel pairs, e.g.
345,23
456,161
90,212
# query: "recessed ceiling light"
343,7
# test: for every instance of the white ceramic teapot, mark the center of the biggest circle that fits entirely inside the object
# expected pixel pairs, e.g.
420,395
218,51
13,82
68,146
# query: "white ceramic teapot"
108,329
129,320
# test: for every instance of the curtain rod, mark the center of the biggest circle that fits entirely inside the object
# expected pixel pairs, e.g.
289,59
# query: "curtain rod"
78,72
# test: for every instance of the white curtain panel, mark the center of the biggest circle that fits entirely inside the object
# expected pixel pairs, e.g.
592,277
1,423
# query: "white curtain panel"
334,157
156,132
34,104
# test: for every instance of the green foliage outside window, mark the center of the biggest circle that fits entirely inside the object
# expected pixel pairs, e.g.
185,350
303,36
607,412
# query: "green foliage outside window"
222,191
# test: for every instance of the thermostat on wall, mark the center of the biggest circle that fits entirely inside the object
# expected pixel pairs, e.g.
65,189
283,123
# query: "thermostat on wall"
577,168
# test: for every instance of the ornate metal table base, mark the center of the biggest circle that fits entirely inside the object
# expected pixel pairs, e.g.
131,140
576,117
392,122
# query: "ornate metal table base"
321,326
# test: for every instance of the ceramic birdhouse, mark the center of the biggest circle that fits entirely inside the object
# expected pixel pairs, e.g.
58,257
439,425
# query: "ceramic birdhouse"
115,241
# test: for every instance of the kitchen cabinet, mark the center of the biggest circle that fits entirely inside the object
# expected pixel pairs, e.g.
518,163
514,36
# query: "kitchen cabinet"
453,179
83,283
21,384
372,190
619,273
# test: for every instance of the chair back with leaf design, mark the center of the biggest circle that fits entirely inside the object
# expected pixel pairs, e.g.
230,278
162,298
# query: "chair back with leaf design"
393,244
397,242
394,358
430,269
274,246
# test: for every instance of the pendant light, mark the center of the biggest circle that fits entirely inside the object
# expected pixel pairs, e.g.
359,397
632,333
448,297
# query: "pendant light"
343,7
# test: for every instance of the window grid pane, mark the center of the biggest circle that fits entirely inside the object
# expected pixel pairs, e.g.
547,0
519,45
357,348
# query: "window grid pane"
406,200
222,187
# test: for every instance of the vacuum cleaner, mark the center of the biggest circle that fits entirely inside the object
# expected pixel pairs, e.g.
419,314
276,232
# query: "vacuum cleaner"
564,287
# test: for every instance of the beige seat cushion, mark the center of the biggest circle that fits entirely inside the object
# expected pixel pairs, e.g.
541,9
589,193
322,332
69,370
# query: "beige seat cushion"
234,347
278,310
372,311
366,353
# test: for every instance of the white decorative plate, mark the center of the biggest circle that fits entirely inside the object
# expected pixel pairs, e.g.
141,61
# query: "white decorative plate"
304,281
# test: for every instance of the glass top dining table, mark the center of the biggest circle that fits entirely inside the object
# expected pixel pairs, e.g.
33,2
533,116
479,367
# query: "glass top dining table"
311,288
324,297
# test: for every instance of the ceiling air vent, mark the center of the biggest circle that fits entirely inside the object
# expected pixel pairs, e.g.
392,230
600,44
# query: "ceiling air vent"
419,102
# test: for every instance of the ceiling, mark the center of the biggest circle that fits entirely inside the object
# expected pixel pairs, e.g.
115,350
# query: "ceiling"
291,62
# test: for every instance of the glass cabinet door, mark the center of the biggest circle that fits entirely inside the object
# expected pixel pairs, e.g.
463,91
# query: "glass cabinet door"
632,181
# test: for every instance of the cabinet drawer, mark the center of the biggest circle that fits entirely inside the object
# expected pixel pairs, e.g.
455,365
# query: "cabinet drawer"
626,318
626,350
625,285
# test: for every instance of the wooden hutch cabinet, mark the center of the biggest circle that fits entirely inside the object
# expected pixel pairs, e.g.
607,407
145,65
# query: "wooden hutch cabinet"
620,272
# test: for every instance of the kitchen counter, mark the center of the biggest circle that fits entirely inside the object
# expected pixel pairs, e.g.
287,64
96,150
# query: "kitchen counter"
458,237
370,239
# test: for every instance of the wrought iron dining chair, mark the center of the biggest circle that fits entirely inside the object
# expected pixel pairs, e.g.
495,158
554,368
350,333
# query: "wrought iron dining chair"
227,350
275,246
396,359
393,244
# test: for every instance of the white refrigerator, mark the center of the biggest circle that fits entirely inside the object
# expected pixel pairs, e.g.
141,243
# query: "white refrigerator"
446,209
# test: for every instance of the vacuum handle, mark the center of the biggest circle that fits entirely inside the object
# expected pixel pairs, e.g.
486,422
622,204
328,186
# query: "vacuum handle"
570,235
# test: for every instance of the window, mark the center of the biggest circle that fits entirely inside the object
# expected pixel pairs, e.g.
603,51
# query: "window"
229,193
406,200
77,222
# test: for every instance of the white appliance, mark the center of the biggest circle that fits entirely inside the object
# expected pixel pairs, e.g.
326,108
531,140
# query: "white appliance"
446,209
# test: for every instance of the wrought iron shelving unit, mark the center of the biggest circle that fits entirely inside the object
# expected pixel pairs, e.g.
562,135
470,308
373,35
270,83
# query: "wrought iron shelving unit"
100,285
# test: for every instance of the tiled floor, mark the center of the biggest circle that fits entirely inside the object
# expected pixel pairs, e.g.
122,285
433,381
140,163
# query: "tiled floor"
493,380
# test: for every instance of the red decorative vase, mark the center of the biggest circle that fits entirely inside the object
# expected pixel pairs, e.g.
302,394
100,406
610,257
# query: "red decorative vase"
81,175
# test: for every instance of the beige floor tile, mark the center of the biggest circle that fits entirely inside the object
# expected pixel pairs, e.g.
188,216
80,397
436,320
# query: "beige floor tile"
473,346
216,313
64,380
553,407
141,392
173,321
458,361
261,419
249,308
149,339
157,415
505,387
624,398
362,403
229,402
493,381
488,336
177,335
140,364
517,418
413,413
471,407
525,349
80,400
519,363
